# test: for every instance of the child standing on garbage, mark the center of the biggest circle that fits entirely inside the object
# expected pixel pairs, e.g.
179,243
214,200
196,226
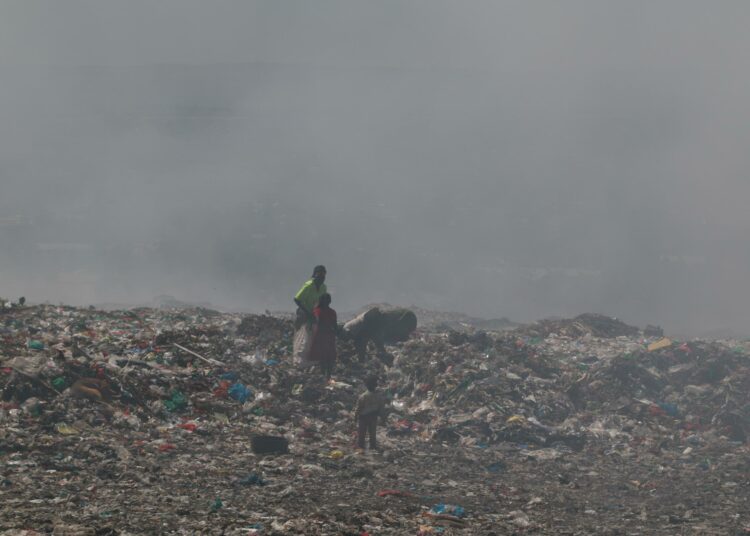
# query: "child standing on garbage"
323,348
370,407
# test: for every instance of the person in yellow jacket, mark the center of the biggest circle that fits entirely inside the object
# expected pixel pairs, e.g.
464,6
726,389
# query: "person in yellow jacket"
307,297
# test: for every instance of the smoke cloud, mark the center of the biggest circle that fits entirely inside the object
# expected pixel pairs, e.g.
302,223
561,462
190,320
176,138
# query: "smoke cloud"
498,158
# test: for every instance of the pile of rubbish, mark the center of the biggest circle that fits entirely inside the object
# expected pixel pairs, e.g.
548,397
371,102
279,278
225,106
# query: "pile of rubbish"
192,421
585,324
445,320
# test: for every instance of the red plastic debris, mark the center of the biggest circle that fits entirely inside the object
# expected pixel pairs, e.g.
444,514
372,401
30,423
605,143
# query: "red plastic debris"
222,391
394,493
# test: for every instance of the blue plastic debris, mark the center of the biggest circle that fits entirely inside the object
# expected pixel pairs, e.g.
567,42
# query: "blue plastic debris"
240,393
449,509
497,467
252,479
670,409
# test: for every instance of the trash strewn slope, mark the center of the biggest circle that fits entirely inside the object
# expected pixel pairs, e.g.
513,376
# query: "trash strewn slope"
143,421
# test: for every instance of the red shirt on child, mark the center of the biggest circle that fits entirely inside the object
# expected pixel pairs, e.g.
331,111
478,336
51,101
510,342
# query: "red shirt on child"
324,335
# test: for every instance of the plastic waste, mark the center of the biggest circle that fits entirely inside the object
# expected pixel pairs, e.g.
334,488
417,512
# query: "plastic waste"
658,345
448,509
269,444
670,409
222,390
302,343
178,402
254,529
516,419
496,467
240,393
452,399
65,429
36,345
519,518
59,383
394,493
253,479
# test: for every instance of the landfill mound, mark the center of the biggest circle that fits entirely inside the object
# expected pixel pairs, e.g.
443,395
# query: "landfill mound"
585,324
191,421
430,320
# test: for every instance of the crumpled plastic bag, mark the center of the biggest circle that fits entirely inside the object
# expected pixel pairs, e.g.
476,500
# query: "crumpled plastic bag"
240,393
178,402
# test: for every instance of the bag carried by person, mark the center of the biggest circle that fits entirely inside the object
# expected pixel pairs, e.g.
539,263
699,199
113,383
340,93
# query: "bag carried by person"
302,343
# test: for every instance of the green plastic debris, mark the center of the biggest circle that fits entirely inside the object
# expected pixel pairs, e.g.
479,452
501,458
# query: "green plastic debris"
59,383
216,506
65,429
178,402
36,345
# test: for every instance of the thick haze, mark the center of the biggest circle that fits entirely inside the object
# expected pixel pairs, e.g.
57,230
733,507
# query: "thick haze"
520,159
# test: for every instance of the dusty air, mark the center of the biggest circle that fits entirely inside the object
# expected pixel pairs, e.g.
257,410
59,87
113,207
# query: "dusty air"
334,267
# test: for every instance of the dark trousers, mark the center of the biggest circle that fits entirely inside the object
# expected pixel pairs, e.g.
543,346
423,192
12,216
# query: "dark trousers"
326,368
368,424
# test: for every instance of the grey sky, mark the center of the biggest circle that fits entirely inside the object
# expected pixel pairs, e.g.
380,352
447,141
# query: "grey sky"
501,158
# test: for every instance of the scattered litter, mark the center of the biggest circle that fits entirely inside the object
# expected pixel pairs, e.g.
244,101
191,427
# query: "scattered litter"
658,345
200,422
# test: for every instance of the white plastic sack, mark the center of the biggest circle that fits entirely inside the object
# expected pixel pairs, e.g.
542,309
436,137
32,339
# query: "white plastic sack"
303,343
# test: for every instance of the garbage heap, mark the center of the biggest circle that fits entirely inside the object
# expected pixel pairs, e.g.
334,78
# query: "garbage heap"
193,421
